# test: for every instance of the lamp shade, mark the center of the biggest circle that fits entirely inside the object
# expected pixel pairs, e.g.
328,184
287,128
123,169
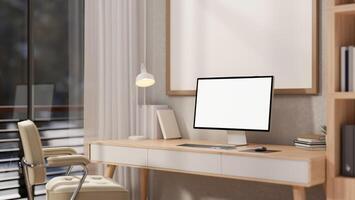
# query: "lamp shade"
144,79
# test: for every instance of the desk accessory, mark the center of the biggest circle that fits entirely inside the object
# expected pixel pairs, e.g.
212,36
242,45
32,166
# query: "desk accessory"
323,129
222,146
144,80
148,121
137,137
311,142
260,149
168,124
257,150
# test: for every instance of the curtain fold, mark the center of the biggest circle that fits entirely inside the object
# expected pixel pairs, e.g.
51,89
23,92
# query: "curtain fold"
111,65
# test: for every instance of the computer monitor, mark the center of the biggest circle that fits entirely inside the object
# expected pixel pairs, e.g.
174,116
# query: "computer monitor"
234,103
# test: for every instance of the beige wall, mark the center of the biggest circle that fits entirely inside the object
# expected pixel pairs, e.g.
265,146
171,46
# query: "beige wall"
292,115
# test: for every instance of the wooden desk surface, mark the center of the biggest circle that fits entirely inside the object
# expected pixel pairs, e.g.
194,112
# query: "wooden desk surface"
289,166
285,152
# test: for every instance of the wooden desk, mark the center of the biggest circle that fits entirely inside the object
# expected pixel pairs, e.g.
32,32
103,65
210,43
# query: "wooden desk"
291,166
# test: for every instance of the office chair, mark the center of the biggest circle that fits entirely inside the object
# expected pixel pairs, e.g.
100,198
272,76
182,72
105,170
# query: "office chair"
63,187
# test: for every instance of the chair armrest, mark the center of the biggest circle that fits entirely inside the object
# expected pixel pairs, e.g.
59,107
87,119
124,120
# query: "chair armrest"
69,160
58,151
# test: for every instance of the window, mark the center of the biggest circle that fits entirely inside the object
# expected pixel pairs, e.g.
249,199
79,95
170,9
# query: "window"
41,78
13,57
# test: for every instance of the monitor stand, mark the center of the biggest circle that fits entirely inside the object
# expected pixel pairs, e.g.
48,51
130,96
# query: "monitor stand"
237,138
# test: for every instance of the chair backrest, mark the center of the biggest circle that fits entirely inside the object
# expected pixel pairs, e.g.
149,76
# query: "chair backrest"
32,147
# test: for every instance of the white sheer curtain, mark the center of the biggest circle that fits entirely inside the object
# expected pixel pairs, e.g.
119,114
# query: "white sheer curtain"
111,65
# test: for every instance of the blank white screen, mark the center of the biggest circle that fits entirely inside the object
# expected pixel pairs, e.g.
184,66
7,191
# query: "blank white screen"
233,103
222,37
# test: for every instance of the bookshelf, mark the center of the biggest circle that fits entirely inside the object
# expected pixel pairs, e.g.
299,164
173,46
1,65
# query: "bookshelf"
340,105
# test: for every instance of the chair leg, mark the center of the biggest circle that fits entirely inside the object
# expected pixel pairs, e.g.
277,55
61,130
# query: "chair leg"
29,187
82,180
67,173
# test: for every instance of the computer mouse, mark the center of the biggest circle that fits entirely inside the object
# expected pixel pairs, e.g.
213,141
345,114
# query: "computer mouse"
260,149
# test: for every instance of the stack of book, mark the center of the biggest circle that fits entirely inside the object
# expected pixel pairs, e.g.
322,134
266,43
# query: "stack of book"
311,141
347,71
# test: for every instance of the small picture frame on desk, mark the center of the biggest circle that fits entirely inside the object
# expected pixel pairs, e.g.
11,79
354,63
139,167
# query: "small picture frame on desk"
168,124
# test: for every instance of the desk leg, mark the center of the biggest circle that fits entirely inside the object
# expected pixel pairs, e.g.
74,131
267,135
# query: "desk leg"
144,183
109,170
299,193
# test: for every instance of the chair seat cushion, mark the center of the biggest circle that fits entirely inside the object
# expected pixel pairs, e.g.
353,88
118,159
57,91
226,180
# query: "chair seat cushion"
94,187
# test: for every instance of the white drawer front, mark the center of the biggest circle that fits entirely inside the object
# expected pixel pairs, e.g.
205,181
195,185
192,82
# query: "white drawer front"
185,161
265,168
119,155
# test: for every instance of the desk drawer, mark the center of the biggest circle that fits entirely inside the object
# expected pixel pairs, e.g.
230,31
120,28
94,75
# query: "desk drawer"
274,170
185,161
119,155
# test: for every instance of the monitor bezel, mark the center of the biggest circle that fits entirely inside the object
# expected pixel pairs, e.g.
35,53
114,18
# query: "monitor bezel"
236,77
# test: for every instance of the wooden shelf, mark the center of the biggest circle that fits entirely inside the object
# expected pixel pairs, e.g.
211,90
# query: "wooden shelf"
341,105
345,9
345,178
342,2
344,187
344,95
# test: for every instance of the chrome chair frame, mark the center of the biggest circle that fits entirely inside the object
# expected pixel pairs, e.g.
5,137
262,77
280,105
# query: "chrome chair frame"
29,187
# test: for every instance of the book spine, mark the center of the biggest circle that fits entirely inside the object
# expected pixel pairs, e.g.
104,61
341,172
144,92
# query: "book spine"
343,71
351,68
347,150
347,70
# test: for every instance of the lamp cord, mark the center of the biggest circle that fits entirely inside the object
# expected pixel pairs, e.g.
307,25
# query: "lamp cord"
145,64
145,33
